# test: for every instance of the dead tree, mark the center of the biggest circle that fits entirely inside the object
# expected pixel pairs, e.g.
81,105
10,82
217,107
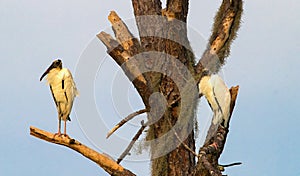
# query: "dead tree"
162,67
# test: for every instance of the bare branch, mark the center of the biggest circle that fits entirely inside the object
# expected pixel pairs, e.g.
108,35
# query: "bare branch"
233,92
114,48
123,35
222,167
135,138
227,22
121,56
102,160
122,122
232,164
211,151
124,49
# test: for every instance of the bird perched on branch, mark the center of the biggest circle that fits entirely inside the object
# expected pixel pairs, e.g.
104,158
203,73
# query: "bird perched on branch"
63,90
218,97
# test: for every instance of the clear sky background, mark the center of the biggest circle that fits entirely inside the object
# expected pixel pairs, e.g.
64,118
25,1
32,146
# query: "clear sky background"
264,62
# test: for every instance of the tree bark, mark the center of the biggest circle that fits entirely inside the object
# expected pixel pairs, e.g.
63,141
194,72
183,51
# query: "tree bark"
226,25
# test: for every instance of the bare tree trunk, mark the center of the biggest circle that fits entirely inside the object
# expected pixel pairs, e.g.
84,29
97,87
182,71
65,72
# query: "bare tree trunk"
179,161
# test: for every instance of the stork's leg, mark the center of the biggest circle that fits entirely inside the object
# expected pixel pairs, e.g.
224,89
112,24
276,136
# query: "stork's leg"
59,120
65,125
59,126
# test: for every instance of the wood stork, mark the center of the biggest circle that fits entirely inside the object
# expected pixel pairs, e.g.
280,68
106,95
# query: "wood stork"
63,90
218,96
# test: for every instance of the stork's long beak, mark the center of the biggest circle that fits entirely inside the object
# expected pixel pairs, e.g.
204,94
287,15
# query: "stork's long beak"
46,72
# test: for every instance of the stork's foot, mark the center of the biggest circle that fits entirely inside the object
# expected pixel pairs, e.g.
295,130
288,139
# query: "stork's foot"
61,135
57,134
65,135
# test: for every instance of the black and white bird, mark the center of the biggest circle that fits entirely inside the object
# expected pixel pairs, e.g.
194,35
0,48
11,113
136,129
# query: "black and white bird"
218,96
63,90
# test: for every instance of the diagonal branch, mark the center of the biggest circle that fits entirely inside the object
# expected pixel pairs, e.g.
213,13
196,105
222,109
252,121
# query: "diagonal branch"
114,48
109,165
211,151
123,35
121,56
226,25
122,122
134,139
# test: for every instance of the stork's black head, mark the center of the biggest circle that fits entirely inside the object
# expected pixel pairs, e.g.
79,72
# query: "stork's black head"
55,64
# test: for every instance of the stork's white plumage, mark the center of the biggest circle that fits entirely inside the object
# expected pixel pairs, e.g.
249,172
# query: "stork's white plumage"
63,90
218,96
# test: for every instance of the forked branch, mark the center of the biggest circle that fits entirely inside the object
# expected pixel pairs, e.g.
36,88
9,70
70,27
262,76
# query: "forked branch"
134,139
122,122
122,50
109,165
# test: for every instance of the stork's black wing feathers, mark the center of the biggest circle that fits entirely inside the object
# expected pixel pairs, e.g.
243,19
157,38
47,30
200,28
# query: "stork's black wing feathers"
63,87
63,84
53,96
220,108
65,93
66,96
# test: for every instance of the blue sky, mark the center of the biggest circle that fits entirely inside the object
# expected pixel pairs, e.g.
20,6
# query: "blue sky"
265,125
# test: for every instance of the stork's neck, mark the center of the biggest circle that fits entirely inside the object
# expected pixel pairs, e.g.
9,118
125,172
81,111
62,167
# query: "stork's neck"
54,71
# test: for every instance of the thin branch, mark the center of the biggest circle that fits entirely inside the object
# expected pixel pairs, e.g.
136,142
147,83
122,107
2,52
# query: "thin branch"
109,165
122,122
222,167
232,164
226,25
134,139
